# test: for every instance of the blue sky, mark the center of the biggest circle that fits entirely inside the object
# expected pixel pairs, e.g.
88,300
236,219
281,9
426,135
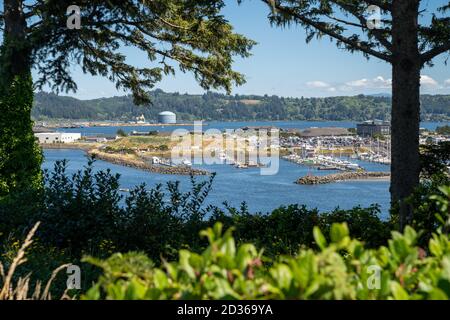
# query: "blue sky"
283,64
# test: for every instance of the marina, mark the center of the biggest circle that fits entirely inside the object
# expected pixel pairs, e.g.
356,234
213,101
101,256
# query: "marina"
261,193
240,180
324,163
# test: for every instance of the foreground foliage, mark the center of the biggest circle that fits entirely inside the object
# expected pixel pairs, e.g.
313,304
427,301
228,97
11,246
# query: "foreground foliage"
23,289
342,269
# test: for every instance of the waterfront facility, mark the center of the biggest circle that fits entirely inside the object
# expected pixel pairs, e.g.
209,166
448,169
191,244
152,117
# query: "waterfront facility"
373,127
57,137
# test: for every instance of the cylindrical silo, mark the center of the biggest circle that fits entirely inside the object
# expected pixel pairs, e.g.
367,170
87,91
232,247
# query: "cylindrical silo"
167,117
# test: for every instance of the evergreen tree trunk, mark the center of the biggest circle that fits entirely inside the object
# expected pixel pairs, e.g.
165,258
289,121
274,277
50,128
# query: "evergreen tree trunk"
20,156
405,106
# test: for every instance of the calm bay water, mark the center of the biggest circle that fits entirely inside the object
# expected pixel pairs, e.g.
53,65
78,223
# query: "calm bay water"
261,193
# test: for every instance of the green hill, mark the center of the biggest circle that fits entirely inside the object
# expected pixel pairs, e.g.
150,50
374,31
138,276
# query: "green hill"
215,106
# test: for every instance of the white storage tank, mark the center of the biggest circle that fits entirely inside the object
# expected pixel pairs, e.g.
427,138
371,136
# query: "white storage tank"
167,117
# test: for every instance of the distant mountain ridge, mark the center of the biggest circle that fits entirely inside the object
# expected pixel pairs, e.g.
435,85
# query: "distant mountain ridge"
385,95
214,106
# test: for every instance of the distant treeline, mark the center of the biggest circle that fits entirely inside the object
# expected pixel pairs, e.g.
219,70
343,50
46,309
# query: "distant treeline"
215,106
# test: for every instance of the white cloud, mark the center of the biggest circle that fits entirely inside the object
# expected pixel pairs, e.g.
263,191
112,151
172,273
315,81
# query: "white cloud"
317,84
375,83
382,83
428,81
358,83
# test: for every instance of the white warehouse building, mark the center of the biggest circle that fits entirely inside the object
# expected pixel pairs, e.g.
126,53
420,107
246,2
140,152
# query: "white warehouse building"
167,117
57,137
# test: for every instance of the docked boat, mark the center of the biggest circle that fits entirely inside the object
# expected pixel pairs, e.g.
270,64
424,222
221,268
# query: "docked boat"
186,162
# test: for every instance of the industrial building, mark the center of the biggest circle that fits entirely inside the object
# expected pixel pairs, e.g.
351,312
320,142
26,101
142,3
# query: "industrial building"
167,117
373,127
57,137
140,119
324,132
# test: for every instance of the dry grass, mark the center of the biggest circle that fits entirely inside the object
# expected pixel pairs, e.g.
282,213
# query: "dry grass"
21,289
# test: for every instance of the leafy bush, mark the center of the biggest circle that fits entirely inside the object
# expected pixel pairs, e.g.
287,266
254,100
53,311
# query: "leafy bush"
342,269
434,159
434,174
444,130
121,133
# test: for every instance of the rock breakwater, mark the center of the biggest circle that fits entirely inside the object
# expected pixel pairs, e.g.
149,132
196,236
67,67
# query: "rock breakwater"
344,176
127,161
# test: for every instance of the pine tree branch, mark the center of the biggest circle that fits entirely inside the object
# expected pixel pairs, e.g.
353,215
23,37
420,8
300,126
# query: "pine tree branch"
322,27
384,5
431,54
377,33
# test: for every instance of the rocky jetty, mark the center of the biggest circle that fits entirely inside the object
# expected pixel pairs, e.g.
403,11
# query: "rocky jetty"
359,175
126,161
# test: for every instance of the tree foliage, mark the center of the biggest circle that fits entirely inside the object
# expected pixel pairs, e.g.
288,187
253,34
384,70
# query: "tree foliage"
191,34
351,25
20,156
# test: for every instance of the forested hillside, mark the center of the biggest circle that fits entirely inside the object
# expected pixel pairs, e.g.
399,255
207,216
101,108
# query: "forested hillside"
214,106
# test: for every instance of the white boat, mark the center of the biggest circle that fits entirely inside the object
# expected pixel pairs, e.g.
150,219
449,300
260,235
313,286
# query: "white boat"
186,162
223,156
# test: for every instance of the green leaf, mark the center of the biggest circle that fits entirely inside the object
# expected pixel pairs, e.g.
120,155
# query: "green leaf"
282,274
410,235
398,292
338,232
435,247
437,294
160,279
185,265
135,290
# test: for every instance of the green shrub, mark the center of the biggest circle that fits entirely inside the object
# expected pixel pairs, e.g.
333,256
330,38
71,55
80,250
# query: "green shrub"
341,269
121,133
